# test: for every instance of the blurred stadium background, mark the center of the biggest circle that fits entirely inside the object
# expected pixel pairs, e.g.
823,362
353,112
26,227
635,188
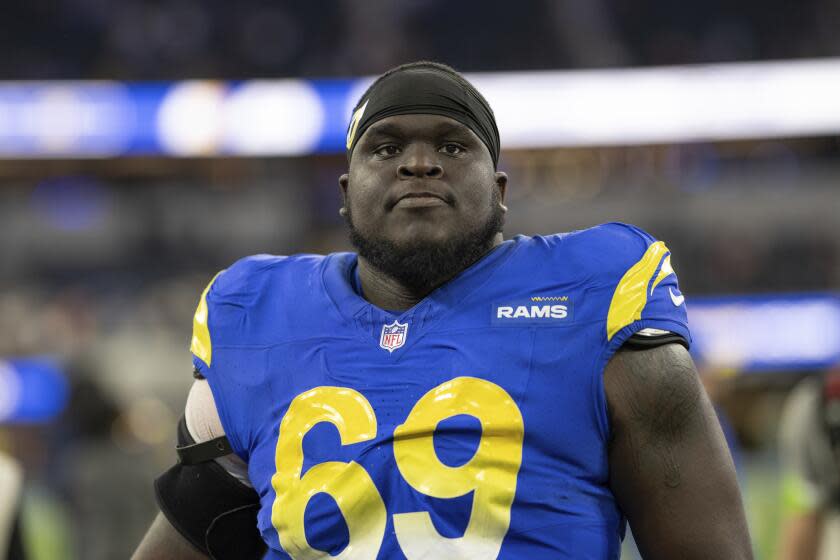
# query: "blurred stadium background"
145,145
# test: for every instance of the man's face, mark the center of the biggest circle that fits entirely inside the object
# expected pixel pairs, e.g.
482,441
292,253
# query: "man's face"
420,177
423,183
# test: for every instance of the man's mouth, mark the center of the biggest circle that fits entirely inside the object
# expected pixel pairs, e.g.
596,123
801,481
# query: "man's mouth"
420,200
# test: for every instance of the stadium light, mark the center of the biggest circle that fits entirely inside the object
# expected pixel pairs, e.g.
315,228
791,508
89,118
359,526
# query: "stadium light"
32,389
534,110
766,333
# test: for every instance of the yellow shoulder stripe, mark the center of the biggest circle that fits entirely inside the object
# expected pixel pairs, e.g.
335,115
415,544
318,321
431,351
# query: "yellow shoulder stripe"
200,345
631,295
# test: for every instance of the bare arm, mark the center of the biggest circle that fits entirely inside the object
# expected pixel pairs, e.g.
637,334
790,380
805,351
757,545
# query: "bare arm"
801,536
670,467
164,542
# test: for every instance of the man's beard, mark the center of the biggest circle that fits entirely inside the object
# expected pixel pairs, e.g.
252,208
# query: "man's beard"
422,266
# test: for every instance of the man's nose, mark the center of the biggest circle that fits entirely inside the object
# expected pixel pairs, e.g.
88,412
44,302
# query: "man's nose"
421,162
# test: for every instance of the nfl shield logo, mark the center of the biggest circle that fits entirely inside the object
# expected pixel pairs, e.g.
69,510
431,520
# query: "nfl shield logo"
393,335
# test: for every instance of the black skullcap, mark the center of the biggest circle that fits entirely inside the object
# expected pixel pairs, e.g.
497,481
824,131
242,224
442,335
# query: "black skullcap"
426,90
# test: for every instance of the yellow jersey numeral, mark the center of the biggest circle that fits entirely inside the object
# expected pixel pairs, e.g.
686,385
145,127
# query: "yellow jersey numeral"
491,473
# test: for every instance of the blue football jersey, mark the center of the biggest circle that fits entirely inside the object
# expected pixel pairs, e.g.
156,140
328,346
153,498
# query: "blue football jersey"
473,425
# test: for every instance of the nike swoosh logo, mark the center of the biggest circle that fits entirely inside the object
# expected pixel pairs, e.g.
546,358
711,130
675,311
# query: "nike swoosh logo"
676,300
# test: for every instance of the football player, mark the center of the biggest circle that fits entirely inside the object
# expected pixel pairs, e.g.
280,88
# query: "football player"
444,393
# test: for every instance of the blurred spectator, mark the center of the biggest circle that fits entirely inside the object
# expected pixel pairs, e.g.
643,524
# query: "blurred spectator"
104,470
810,450
11,486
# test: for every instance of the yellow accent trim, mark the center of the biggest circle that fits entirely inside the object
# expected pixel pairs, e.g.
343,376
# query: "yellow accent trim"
200,344
630,296
354,124
550,298
664,273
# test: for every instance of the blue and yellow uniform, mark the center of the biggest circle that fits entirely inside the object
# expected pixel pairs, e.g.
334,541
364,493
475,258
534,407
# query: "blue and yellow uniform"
473,425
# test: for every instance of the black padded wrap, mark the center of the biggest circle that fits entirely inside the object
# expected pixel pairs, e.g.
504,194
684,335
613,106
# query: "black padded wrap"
210,508
642,342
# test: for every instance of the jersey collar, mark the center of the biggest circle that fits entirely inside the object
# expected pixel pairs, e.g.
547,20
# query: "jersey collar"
338,278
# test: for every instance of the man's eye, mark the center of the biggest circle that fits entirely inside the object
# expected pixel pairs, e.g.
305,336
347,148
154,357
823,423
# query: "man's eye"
387,150
452,149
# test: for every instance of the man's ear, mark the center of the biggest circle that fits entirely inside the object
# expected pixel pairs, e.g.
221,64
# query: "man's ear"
343,181
501,184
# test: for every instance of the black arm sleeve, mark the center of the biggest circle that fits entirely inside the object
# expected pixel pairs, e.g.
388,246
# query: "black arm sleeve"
212,509
643,341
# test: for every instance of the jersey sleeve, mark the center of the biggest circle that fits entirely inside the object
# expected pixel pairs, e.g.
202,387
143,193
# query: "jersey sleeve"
224,306
220,320
646,293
